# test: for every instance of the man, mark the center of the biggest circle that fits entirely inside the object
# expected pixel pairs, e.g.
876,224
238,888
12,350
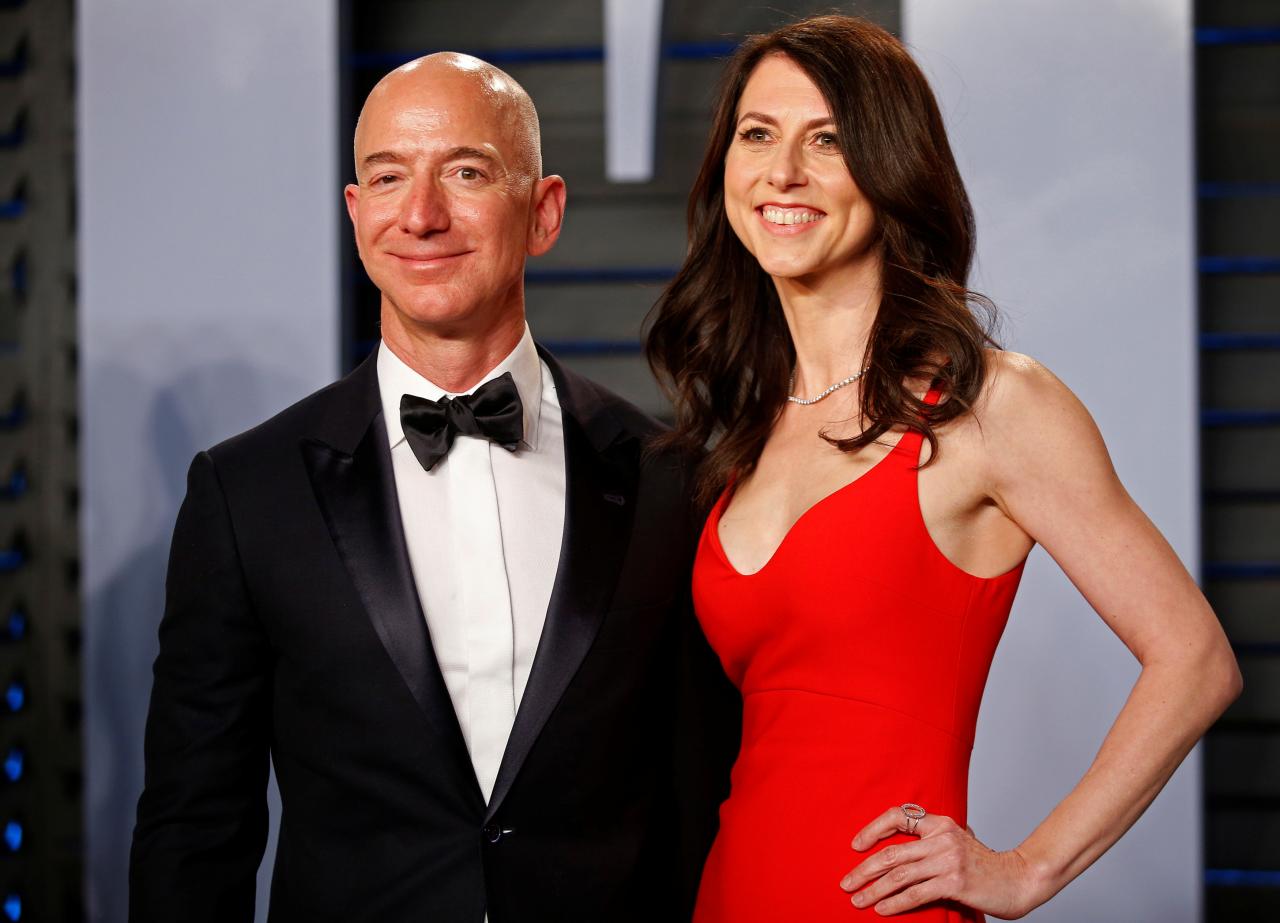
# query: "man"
448,594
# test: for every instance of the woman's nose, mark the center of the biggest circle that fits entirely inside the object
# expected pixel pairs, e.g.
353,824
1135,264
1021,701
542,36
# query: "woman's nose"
787,167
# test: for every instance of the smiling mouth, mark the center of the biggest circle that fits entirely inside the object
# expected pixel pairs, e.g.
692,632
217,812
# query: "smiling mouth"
787,216
427,257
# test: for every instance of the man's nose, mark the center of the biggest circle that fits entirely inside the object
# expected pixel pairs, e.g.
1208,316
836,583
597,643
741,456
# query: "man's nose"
787,167
424,209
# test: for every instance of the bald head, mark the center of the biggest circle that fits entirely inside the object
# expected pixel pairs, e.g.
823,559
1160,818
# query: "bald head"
449,202
431,87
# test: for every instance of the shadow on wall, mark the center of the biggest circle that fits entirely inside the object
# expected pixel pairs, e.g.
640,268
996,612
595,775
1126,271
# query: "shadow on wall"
122,614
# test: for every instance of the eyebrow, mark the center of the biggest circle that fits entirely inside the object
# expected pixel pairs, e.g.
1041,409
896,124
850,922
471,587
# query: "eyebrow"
379,157
471,153
770,120
457,153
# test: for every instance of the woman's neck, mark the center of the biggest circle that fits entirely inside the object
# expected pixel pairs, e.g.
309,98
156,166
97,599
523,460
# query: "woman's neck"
830,323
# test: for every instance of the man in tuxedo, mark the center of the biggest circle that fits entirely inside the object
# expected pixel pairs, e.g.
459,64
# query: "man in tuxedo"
447,596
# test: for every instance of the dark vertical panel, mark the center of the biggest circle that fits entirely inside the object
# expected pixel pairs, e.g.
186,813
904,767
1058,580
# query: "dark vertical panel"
40,752
1238,136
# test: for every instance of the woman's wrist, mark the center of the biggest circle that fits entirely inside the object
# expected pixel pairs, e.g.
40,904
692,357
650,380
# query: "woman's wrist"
1040,879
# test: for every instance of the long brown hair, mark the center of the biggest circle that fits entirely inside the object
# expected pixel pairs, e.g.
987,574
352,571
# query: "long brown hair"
717,339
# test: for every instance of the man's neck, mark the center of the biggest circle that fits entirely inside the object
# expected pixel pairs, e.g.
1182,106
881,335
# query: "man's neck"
454,363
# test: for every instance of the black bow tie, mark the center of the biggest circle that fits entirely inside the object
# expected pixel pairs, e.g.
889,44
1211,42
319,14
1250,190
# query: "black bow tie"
493,411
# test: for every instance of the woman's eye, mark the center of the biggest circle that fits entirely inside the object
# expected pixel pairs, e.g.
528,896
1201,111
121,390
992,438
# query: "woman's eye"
827,139
754,134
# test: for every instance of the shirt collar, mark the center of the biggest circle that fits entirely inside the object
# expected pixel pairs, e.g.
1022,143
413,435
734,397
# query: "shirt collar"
396,378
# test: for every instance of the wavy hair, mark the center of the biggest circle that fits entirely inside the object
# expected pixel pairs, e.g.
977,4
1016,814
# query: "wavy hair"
717,339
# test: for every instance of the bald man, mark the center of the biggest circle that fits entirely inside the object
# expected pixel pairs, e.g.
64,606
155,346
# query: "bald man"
446,597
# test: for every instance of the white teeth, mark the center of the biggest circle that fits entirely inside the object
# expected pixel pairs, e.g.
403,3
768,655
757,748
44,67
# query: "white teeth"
787,216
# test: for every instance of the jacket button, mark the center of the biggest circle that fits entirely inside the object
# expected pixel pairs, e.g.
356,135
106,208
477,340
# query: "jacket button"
492,833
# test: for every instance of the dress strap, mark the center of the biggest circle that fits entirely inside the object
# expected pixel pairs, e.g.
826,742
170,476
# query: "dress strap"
912,442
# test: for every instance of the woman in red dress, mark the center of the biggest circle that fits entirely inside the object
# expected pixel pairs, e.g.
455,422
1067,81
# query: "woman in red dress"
879,471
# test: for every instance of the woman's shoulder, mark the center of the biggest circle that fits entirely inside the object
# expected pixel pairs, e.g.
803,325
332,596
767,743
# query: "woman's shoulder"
1010,382
1013,375
1018,388
1014,386
1026,415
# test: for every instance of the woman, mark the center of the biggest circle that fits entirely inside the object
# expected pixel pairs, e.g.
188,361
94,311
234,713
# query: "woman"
882,472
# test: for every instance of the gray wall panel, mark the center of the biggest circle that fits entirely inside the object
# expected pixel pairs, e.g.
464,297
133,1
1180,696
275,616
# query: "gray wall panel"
1073,131
209,289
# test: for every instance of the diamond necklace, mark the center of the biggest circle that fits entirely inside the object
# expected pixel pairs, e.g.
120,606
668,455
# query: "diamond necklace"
836,387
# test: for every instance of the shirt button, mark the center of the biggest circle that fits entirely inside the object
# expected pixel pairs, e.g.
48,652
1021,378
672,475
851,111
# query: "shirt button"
492,833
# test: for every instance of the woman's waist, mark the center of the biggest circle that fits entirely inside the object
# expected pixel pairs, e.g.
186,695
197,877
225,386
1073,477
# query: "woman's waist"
831,717
797,739
812,790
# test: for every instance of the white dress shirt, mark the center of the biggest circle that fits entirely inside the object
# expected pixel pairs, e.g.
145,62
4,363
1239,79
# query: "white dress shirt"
483,528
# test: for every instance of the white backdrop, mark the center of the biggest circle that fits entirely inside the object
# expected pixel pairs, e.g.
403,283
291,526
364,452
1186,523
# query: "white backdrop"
209,196
1072,123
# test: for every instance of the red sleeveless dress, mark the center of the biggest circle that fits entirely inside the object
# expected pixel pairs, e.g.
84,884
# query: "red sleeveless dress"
861,653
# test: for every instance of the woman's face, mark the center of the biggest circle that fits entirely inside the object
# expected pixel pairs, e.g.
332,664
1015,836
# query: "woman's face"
788,194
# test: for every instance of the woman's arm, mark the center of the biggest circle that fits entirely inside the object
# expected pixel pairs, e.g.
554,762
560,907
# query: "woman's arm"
1049,471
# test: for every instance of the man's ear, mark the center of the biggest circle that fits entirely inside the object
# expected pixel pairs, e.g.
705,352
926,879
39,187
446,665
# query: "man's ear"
352,194
546,214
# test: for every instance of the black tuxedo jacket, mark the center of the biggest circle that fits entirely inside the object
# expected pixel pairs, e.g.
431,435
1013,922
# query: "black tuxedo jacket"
293,632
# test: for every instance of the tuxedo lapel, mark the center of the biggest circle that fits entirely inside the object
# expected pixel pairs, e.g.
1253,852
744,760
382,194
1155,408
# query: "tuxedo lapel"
350,469
601,471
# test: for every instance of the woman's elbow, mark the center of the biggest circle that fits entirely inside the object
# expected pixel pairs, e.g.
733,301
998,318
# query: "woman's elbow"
1220,679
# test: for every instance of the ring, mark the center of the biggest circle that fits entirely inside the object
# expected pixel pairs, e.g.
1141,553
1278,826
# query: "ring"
914,815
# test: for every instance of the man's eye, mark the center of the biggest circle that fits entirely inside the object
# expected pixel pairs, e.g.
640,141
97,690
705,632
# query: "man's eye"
468,173
386,179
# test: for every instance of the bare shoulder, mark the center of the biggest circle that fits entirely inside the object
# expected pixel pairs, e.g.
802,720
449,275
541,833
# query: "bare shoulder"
1033,426
1021,393
1018,385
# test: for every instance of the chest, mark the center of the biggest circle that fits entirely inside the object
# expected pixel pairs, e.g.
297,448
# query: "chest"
795,473
483,521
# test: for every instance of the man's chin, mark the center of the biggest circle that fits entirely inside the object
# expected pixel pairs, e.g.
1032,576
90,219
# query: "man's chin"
442,316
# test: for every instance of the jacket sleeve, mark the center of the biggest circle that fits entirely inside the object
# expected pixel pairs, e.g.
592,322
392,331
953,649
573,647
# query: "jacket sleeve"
202,817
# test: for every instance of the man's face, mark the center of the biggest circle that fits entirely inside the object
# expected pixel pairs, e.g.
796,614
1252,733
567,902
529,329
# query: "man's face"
445,207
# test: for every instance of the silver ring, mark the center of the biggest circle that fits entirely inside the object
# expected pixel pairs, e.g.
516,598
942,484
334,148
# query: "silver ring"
914,814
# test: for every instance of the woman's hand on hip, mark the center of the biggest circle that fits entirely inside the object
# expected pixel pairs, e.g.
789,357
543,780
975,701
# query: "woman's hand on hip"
947,863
